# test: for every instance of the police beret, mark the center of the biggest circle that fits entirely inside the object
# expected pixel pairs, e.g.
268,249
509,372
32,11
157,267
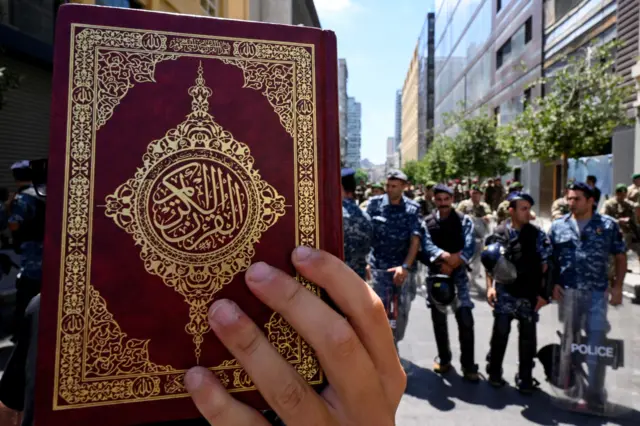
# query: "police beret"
515,196
397,174
515,186
347,171
439,188
635,176
581,186
24,164
377,186
621,187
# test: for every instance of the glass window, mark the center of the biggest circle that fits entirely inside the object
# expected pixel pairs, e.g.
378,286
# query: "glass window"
479,31
514,47
479,79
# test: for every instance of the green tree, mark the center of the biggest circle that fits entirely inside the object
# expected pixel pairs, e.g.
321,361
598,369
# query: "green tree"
583,104
362,177
474,150
414,171
436,160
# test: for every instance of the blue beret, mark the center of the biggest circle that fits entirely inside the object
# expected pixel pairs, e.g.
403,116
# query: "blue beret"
439,188
515,196
397,174
347,171
581,186
24,164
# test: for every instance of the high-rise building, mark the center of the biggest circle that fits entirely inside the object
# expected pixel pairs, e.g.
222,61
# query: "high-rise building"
393,158
343,76
26,34
418,96
398,129
354,127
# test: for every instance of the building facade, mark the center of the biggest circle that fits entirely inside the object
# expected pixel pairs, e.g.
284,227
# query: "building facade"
397,139
393,157
354,129
418,96
486,54
26,34
343,76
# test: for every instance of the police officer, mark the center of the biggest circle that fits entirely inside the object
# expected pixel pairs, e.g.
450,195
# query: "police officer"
25,220
395,243
582,242
560,207
356,225
502,212
528,248
447,246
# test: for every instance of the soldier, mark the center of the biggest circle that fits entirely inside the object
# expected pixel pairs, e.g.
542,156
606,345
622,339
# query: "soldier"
480,214
376,189
396,239
560,207
425,200
528,248
633,192
502,212
625,213
356,225
25,219
582,243
447,247
498,195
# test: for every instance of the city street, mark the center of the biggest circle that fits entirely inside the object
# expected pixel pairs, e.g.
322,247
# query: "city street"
431,399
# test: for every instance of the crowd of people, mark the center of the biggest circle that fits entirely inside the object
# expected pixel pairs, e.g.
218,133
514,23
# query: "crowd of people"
451,231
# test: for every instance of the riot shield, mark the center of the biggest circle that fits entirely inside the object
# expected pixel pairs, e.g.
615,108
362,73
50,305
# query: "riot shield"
593,367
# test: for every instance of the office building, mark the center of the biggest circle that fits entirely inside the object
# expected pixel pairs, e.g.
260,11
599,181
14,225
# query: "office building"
26,33
393,158
398,128
418,96
343,76
354,128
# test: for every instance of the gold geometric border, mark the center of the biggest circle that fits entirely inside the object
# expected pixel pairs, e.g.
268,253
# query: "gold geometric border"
96,362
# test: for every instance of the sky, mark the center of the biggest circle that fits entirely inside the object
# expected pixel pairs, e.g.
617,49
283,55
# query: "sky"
377,38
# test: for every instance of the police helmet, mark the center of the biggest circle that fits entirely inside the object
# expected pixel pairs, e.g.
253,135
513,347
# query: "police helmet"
497,265
441,289
550,358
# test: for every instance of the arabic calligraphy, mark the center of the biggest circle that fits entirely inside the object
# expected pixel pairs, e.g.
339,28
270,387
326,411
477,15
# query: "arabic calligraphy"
198,206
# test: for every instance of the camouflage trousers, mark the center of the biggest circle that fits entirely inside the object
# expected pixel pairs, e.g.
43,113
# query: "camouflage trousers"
628,242
517,307
382,282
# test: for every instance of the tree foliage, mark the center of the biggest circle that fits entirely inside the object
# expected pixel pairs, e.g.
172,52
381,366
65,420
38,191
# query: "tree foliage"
474,150
362,177
414,171
436,161
583,104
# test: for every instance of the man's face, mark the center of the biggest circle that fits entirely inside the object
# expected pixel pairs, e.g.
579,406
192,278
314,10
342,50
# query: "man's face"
578,203
591,183
498,181
636,181
476,196
521,213
395,188
428,193
377,191
443,201
621,195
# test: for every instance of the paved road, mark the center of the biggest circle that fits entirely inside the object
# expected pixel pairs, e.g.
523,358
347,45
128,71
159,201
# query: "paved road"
431,399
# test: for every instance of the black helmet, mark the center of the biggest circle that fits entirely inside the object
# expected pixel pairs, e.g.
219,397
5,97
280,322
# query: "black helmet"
441,289
550,358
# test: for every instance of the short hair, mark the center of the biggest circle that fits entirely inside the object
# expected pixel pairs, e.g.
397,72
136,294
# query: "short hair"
349,183
22,175
593,178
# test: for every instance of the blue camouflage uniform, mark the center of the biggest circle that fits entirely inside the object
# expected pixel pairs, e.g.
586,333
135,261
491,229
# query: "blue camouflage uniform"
460,275
393,227
581,260
23,212
357,236
521,307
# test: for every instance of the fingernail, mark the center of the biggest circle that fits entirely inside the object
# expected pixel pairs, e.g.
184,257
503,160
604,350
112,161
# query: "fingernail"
258,272
193,379
303,253
223,312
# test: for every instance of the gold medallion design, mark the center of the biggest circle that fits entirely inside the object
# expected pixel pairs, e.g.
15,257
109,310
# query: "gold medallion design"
197,207
98,361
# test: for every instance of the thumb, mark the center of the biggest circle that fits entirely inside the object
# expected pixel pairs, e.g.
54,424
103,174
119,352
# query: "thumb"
391,270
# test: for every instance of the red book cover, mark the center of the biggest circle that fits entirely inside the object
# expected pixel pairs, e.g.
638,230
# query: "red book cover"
183,149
